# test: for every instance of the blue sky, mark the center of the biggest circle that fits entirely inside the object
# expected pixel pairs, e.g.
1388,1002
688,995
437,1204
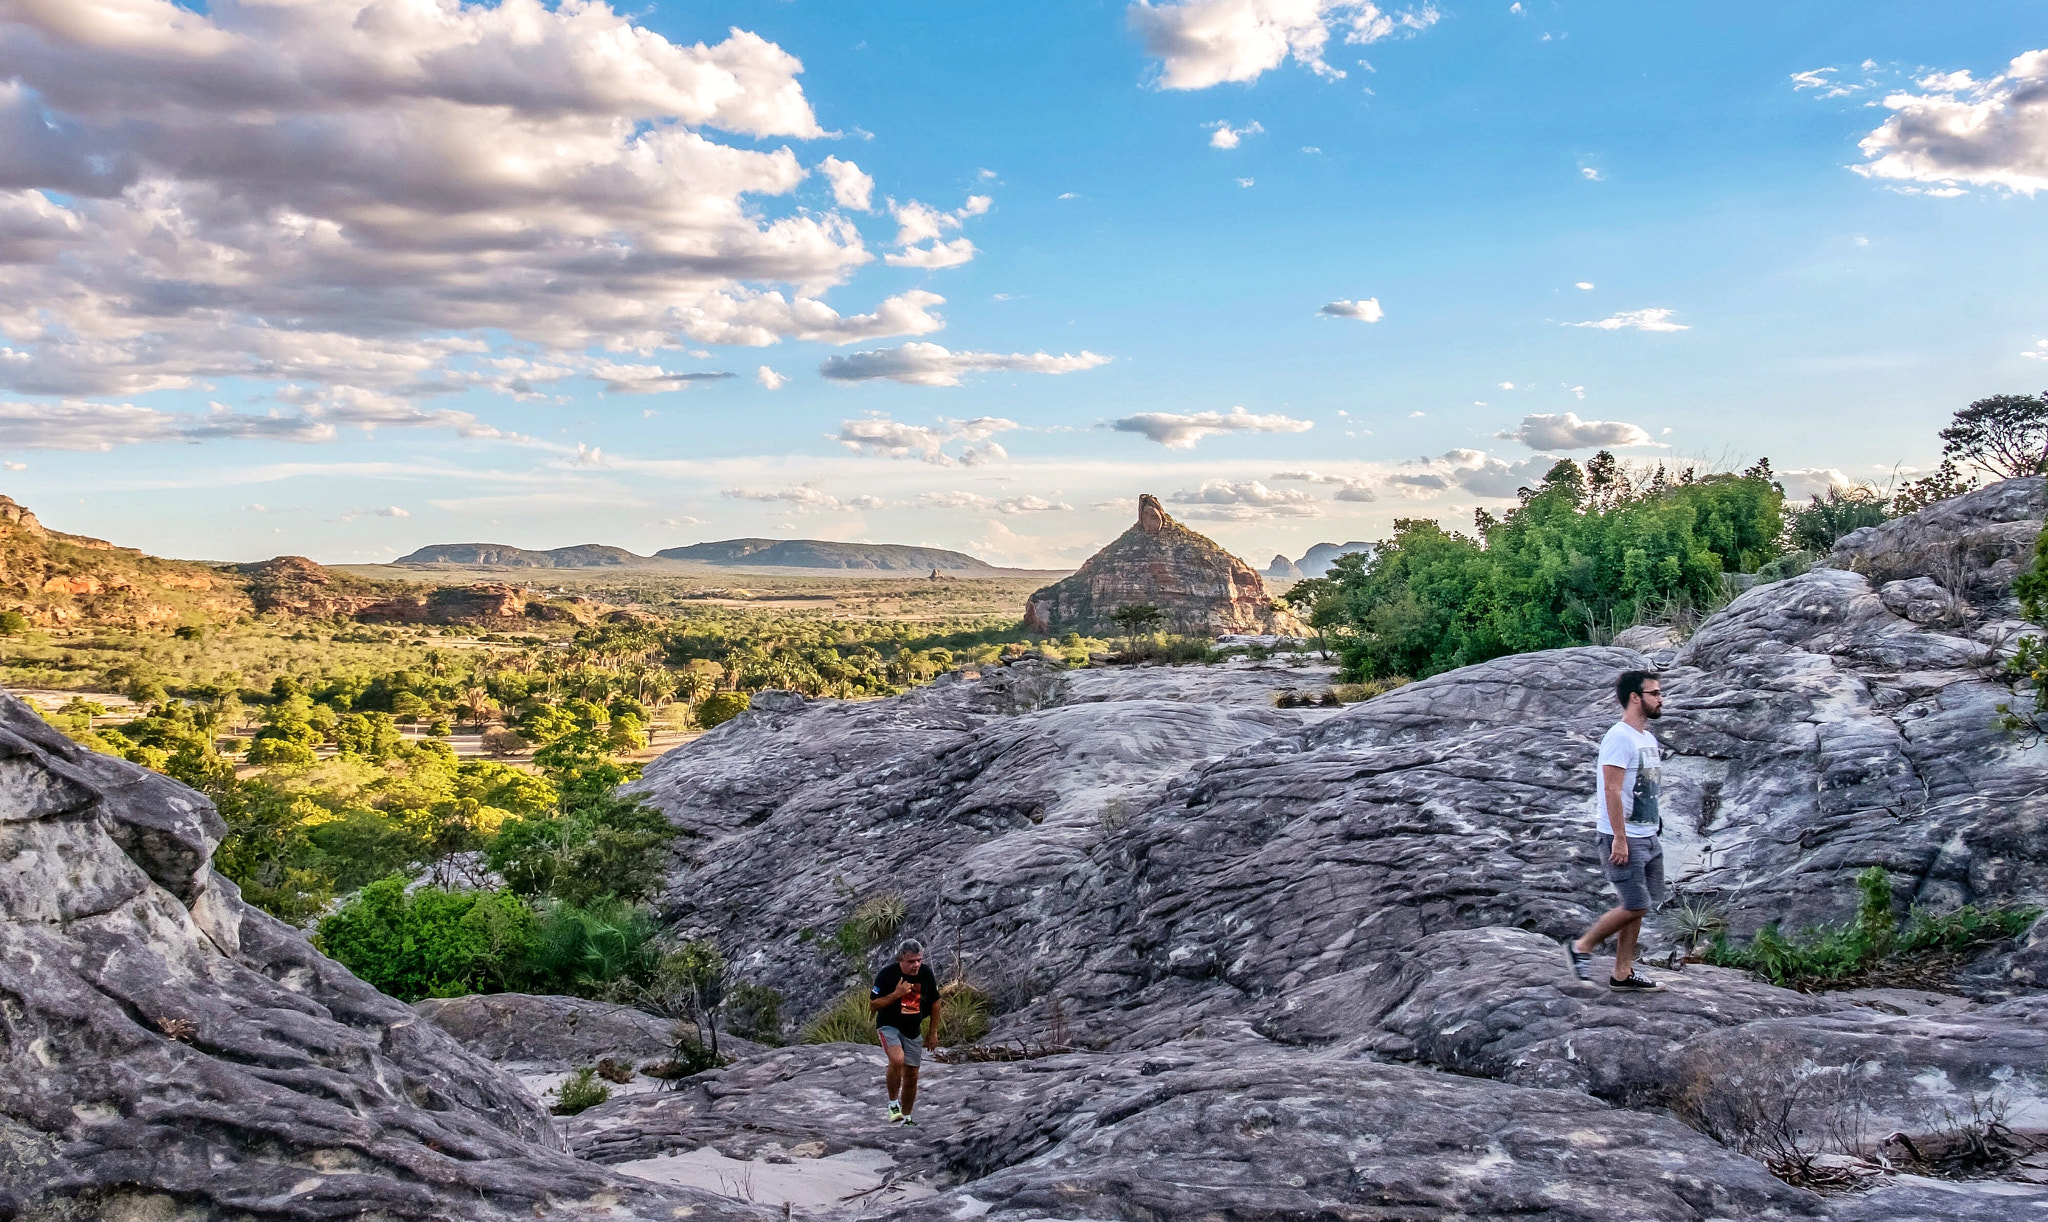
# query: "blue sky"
1299,267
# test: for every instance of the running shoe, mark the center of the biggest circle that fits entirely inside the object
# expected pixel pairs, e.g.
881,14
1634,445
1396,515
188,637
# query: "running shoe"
1634,983
896,1115
908,1122
1582,963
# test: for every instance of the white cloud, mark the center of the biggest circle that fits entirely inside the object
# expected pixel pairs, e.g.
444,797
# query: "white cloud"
932,365
935,256
1591,174
1200,43
1181,432
1480,473
1962,131
336,192
1245,182
1804,482
760,319
877,435
1578,392
975,501
1223,136
1565,431
1636,320
1221,500
851,188
1364,310
646,379
1507,385
1583,284
2038,352
389,511
1311,150
1349,487
770,379
806,499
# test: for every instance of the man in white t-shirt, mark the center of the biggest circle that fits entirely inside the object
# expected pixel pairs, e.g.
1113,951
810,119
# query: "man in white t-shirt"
1626,821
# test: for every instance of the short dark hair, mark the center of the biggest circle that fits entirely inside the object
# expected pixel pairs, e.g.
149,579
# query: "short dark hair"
1631,684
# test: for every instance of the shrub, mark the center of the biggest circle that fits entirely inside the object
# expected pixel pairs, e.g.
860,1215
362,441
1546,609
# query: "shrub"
846,1021
754,1012
721,707
580,1093
280,751
585,950
414,944
1358,693
877,920
501,741
963,1014
1816,526
13,623
1833,956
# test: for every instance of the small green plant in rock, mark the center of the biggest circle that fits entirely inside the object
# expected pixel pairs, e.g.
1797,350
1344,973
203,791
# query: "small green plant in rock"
846,1021
1872,946
754,1012
580,1093
879,918
963,1014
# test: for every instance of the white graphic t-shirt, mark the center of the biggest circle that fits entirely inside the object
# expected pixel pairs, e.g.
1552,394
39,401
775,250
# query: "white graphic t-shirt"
1636,752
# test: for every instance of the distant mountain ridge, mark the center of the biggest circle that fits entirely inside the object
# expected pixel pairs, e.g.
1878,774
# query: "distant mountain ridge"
503,556
824,554
1315,562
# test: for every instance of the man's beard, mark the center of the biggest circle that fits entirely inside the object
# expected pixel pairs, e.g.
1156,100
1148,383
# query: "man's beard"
1653,711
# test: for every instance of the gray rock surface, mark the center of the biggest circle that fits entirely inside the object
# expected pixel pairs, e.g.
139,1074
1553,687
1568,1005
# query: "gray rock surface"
171,1052
548,1033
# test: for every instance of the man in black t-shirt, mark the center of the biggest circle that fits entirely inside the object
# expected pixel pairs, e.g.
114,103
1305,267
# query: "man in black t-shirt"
906,994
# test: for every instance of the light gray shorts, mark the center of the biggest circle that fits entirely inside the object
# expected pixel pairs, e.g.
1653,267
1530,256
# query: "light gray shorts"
1642,879
912,1046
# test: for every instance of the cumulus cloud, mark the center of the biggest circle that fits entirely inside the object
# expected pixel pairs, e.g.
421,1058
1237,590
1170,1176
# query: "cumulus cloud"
388,511
770,379
2038,352
933,365
757,319
934,256
877,435
1221,500
1963,131
1365,310
336,192
1483,475
646,379
1201,43
1584,284
1565,431
1349,487
850,187
1636,320
75,425
1223,136
805,499
1178,431
986,504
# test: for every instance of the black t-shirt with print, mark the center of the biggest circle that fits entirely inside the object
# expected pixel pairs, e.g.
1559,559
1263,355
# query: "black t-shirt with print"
908,1012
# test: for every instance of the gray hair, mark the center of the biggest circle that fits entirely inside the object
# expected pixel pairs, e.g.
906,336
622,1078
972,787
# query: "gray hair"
909,946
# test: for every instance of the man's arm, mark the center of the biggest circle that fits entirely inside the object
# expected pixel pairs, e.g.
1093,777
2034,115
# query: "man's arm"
884,1001
1611,777
933,1032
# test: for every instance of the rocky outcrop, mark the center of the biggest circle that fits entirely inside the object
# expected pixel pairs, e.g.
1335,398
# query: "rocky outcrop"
59,579
1316,561
168,1051
485,604
1197,586
499,555
1283,569
1157,866
1970,548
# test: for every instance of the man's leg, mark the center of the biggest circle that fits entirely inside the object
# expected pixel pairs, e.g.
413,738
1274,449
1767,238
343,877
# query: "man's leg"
1610,923
894,1051
1625,945
909,1089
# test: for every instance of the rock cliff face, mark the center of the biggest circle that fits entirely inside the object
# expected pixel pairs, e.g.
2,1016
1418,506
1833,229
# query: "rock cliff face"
167,1051
1158,562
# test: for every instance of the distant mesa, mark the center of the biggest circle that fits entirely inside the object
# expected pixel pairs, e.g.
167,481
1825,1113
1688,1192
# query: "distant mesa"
1317,561
822,554
1283,569
501,556
1197,586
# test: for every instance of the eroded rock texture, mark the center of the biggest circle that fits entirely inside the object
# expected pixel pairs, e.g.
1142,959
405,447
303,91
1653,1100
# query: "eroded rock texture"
170,1052
1197,586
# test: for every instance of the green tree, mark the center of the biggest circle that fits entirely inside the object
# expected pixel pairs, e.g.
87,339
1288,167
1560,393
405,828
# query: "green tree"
1816,526
430,942
721,707
2006,435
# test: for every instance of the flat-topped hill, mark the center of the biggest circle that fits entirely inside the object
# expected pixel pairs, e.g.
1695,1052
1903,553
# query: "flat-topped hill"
824,554
504,556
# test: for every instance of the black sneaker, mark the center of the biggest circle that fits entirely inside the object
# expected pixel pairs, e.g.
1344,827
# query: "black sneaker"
1582,963
1634,983
908,1123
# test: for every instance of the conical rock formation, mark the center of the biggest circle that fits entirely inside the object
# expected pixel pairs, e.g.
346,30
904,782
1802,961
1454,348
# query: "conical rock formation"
1197,586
